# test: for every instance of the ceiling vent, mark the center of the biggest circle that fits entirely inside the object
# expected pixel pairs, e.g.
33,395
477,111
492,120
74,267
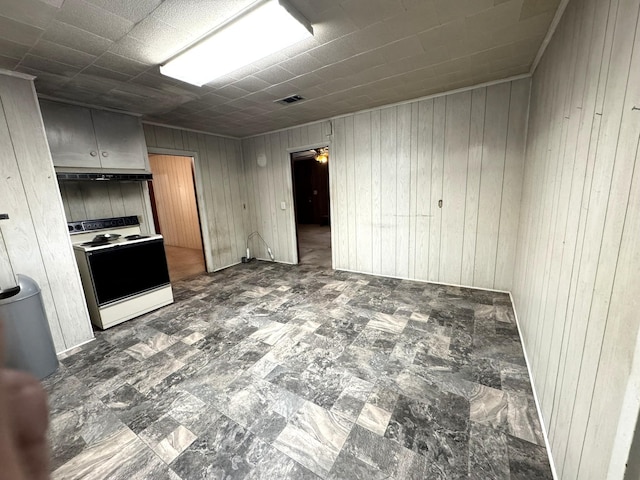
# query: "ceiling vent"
289,100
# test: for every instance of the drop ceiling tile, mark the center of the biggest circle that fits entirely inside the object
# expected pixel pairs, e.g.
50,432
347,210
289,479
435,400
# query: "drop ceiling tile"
442,34
366,12
411,23
121,64
78,95
230,92
157,81
282,90
274,75
301,64
94,81
334,51
210,100
307,80
533,26
263,97
336,85
448,10
371,38
76,38
100,72
166,39
30,12
51,66
49,78
8,63
19,32
331,24
252,83
62,54
131,10
139,51
242,103
407,47
93,19
199,17
300,47
531,8
503,14
12,49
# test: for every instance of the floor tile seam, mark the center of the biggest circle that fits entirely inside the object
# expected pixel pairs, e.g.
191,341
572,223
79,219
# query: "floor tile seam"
275,445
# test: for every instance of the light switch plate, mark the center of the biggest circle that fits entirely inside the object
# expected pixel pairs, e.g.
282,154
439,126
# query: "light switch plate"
283,206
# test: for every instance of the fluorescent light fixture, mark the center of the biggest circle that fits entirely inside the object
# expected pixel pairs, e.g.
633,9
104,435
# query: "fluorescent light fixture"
262,29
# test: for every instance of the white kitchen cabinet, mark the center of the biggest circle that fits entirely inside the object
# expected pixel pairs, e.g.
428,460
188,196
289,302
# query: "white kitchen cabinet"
85,138
70,135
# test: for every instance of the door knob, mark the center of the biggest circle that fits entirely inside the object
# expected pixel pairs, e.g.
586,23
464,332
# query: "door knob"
105,154
93,153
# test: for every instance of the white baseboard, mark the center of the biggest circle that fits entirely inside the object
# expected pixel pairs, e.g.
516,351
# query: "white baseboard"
535,393
75,346
423,281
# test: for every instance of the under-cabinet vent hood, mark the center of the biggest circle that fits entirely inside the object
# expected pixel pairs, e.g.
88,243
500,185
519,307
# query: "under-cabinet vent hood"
121,177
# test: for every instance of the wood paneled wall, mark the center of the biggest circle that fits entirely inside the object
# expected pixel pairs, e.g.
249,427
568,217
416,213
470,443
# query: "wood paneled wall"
577,278
175,198
89,200
269,183
36,236
220,188
390,167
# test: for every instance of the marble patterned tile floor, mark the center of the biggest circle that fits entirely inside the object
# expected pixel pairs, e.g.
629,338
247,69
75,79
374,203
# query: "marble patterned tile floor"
269,371
314,244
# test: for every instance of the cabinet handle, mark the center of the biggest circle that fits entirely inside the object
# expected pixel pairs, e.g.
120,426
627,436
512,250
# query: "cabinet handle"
105,154
93,153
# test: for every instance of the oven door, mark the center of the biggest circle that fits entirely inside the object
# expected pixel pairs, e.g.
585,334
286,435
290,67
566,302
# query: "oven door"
127,270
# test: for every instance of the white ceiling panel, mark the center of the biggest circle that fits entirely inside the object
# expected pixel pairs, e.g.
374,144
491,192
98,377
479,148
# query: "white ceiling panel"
364,53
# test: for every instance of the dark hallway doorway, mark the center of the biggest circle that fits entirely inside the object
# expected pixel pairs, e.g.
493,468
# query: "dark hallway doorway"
310,171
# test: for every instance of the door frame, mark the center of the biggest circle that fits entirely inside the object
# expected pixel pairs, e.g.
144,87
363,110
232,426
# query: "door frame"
292,216
199,187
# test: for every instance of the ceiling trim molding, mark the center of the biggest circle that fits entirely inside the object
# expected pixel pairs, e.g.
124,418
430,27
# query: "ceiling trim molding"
552,30
11,73
87,105
404,102
165,125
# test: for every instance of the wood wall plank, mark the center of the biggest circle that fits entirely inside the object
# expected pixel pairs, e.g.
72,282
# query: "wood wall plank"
456,157
35,234
577,271
389,168
491,178
388,172
474,170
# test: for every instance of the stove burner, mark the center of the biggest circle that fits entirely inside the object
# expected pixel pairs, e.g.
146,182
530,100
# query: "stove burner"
136,237
95,243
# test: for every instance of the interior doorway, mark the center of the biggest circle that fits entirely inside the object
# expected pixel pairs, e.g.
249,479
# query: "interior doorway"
175,213
310,172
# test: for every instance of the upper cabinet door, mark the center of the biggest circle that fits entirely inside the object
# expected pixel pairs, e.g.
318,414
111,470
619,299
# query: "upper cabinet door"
120,140
70,135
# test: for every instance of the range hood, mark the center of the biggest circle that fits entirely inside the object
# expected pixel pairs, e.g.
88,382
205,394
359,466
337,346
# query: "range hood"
121,177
